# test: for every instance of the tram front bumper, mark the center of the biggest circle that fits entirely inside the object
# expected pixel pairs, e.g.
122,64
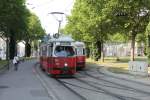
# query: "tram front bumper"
64,68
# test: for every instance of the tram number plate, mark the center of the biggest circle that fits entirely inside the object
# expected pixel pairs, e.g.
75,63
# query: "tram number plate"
65,43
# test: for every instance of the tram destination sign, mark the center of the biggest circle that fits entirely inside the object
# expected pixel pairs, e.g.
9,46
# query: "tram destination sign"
65,43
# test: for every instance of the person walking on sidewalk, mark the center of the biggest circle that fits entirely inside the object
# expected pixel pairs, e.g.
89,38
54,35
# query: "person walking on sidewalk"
15,63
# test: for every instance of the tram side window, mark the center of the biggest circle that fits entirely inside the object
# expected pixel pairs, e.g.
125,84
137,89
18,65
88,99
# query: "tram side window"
40,52
79,51
44,51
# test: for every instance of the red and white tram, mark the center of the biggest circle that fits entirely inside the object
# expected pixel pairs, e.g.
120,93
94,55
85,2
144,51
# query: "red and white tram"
58,56
80,55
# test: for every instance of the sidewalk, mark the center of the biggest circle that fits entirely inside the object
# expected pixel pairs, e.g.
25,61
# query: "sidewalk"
22,84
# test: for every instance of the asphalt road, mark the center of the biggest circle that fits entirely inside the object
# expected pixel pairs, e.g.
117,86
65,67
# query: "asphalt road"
93,83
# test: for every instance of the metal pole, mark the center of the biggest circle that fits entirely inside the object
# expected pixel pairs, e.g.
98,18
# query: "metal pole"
59,20
59,26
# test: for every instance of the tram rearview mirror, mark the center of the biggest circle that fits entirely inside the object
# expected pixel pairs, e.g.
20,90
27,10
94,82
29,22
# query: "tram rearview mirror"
56,35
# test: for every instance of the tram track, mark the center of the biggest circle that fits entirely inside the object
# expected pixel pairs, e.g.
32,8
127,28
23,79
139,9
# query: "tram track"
124,79
106,85
95,88
121,78
73,91
74,85
105,91
115,87
45,85
100,90
117,84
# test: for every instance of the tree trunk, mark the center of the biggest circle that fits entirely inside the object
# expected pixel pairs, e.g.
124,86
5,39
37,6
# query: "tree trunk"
98,45
12,47
148,49
27,49
92,51
132,47
87,52
116,50
102,52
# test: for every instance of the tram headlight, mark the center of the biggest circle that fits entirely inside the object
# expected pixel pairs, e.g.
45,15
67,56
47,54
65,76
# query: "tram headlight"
65,64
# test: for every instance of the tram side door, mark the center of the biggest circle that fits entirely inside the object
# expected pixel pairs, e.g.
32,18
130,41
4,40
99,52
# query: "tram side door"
44,59
49,57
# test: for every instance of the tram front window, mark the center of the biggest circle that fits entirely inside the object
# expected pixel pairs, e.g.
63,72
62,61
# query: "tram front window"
64,51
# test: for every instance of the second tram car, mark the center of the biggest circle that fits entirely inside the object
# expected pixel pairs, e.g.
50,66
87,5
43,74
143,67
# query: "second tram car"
80,55
58,56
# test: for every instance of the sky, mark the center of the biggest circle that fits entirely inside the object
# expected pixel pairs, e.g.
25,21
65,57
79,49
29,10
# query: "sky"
43,8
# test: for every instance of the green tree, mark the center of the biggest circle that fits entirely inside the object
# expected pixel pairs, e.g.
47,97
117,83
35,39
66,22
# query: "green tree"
13,14
17,23
148,42
99,19
34,33
88,22
132,17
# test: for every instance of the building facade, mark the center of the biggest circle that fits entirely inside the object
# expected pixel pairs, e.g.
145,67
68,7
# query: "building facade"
122,49
2,49
20,49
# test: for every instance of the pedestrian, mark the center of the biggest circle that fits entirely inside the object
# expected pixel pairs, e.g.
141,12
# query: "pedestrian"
15,63
17,59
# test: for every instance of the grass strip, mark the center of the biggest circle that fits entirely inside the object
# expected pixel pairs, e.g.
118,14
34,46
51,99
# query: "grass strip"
115,65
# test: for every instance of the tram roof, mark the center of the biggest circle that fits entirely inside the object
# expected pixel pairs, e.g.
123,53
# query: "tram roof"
77,43
62,39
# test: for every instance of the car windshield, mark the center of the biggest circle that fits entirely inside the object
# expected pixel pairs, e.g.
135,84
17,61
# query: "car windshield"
64,51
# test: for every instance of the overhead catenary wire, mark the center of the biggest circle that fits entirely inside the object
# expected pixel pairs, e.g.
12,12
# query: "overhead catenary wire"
40,5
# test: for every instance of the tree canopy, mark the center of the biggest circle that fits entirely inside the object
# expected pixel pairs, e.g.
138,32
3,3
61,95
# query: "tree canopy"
34,32
13,17
99,20
16,23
